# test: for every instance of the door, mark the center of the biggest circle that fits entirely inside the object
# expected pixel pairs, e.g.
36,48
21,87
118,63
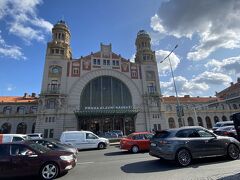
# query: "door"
91,140
212,145
24,160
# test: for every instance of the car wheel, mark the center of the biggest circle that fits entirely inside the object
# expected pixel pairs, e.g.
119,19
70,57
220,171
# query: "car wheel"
233,152
183,157
101,146
135,149
49,171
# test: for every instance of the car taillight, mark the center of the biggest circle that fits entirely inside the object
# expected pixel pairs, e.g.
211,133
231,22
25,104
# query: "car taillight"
225,133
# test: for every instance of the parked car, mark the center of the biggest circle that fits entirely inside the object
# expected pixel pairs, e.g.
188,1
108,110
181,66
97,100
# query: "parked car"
5,138
222,124
108,135
118,132
35,135
187,143
226,131
135,142
28,158
83,140
55,145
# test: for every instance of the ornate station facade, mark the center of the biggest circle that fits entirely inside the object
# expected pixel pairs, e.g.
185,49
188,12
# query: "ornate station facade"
99,92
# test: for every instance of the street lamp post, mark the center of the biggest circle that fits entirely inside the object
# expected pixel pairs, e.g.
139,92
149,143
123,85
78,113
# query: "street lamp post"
179,108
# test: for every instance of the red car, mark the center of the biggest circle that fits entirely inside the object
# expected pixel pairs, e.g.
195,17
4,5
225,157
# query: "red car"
27,158
135,142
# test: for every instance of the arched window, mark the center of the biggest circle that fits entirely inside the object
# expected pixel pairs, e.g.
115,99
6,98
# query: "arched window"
7,110
234,106
105,91
216,119
190,121
33,127
33,109
200,122
21,128
171,123
21,110
180,124
5,128
224,118
208,122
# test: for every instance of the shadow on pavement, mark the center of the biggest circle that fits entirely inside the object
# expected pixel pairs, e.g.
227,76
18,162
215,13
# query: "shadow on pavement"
163,165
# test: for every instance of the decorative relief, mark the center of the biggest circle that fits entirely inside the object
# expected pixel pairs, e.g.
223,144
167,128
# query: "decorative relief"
125,67
86,64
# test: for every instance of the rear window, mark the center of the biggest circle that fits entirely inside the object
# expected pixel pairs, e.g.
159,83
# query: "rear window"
228,124
161,134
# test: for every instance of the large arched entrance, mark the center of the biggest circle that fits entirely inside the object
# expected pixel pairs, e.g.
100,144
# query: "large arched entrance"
106,105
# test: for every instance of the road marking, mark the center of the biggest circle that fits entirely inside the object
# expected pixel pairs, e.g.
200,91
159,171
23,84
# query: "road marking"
85,163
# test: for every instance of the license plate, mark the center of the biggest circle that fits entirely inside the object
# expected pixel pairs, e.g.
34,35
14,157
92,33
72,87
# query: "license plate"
153,144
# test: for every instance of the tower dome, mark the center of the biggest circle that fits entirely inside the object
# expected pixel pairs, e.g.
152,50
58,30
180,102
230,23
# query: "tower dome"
61,33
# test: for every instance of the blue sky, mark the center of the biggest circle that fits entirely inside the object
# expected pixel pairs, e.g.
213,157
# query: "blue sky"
207,33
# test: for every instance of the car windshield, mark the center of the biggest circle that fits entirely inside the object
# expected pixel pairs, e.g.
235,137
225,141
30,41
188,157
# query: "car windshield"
218,125
39,148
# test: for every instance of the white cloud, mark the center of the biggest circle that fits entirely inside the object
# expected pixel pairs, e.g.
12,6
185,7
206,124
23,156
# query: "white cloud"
230,66
184,87
23,21
164,67
14,52
213,78
215,22
10,87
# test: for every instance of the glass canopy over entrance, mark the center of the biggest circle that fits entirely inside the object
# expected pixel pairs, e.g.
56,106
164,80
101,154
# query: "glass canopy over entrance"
106,105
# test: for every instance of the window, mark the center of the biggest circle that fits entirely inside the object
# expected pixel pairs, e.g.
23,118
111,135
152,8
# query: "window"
15,139
148,136
216,119
21,110
187,133
151,88
75,70
224,118
19,150
200,122
94,61
91,136
46,119
98,62
104,62
5,128
33,109
113,63
117,63
45,134
22,128
51,133
208,122
203,133
138,137
7,110
108,62
62,51
171,123
190,121
51,104
57,51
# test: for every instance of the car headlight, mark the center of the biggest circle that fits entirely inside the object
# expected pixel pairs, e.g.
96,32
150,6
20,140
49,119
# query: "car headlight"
66,158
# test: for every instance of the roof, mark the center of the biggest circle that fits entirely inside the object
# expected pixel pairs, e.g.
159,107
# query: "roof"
17,99
144,132
188,99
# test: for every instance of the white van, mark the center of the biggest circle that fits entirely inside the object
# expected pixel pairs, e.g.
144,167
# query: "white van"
83,140
222,124
5,138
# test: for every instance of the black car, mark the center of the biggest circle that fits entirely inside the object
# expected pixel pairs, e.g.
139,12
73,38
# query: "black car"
55,145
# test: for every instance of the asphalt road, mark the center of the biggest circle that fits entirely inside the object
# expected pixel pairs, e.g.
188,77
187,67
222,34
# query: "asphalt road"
113,163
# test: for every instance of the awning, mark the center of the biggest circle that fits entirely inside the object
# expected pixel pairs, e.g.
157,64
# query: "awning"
106,112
